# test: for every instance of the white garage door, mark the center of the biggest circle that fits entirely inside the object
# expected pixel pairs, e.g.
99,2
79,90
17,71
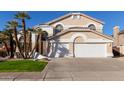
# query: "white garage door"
90,50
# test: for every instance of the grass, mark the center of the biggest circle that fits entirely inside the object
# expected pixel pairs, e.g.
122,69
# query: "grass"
22,66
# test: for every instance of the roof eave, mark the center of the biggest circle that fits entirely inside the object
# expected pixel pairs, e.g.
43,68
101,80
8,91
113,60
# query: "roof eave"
70,30
69,14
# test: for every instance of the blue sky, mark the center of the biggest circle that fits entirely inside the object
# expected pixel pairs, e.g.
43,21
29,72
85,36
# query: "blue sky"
111,18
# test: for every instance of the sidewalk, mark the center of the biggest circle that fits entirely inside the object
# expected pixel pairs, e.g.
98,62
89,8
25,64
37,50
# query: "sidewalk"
21,76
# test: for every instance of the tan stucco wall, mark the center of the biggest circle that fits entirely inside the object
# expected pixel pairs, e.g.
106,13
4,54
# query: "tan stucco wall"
79,39
87,34
71,49
109,48
81,22
121,48
121,39
121,44
116,36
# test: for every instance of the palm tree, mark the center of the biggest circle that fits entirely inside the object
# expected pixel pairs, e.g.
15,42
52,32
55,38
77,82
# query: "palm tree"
4,38
9,33
23,16
12,25
29,39
39,32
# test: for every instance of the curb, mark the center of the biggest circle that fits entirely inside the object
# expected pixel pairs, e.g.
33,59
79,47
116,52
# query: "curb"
44,72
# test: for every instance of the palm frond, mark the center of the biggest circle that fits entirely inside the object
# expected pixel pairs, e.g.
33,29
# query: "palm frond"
12,24
22,15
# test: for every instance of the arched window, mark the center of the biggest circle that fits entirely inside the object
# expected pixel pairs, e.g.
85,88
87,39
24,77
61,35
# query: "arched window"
58,28
92,27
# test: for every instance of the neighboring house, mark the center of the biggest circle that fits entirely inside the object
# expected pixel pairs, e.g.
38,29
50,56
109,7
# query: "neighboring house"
77,35
118,43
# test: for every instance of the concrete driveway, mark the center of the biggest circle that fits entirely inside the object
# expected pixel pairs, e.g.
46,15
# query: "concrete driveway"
85,69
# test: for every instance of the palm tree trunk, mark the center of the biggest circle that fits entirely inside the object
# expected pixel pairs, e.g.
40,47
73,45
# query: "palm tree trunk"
24,33
36,44
11,46
29,47
7,49
17,42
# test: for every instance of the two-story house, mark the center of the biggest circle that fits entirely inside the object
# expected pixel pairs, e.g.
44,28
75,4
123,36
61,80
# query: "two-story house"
77,35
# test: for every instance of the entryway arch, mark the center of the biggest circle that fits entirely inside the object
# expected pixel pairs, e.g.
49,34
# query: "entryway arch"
78,39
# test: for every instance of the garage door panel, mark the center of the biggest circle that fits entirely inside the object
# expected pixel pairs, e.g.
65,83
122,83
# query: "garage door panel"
90,50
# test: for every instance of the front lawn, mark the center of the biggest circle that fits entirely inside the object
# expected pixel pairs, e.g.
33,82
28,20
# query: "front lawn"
22,66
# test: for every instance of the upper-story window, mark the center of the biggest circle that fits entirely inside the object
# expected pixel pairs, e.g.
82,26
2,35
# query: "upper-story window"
58,28
92,27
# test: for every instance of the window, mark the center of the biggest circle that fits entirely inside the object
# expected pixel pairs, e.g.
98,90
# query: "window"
92,27
58,28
